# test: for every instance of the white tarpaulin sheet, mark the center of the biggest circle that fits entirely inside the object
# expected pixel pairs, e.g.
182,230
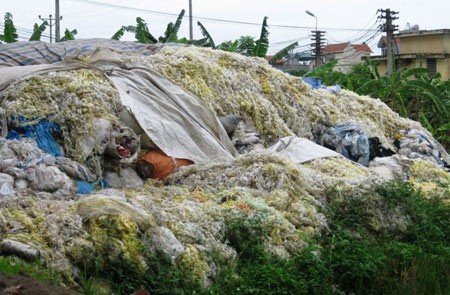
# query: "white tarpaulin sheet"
178,122
301,150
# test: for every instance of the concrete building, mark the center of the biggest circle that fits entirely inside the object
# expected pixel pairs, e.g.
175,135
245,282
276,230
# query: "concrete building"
346,54
419,49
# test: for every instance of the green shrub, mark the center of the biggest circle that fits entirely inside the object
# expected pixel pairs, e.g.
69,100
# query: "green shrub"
255,271
160,275
369,261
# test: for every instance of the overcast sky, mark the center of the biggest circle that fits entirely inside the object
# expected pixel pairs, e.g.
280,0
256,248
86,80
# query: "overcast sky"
350,20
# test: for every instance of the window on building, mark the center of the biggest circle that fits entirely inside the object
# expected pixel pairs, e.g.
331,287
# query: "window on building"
431,66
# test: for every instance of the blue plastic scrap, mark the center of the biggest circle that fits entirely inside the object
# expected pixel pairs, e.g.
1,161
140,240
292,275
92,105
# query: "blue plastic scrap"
20,127
317,84
45,140
84,187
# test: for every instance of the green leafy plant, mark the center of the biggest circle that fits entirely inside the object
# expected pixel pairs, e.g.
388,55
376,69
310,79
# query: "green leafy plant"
230,46
283,52
366,259
262,45
255,271
142,33
161,275
9,30
170,35
68,35
12,265
208,42
38,30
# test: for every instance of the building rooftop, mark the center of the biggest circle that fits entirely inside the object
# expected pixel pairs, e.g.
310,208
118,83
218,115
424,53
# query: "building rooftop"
340,47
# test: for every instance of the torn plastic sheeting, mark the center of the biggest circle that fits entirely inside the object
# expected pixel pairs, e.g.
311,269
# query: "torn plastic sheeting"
19,125
301,150
45,139
24,251
178,122
317,84
75,170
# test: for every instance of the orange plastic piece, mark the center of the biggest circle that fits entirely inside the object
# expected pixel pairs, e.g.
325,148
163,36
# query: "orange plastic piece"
164,165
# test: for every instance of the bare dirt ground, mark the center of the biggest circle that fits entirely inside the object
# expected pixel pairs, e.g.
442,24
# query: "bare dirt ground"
23,284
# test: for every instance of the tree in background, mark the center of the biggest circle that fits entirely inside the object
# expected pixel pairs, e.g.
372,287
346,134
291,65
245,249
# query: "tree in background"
68,35
38,30
143,35
9,32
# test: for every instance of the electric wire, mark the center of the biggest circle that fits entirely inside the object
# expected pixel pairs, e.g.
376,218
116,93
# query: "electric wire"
366,34
207,19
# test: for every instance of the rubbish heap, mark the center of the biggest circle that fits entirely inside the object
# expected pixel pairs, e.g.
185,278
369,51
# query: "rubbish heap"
73,125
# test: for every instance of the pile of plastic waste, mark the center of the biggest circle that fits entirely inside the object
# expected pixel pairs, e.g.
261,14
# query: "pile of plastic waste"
73,126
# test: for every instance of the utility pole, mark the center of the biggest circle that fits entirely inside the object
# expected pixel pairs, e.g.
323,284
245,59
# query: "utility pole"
57,19
191,32
317,45
50,20
389,28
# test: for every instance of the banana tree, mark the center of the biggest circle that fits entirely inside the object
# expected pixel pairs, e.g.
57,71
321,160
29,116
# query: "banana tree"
69,35
38,30
401,92
245,45
208,40
119,34
143,35
230,46
262,45
433,109
170,35
283,52
141,32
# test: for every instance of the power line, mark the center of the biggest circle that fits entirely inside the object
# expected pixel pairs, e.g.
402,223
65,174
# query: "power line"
290,41
206,18
23,33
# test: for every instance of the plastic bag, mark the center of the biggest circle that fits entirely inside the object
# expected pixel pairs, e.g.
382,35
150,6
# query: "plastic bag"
349,140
